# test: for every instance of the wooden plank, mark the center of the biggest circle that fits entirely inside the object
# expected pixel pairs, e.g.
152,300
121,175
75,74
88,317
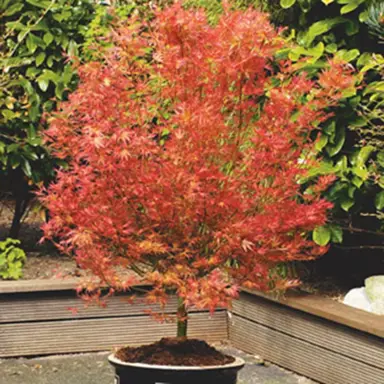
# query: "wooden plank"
50,285
312,329
38,285
42,306
331,310
320,364
42,338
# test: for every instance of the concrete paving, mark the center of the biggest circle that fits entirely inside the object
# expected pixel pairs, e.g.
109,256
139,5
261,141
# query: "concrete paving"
93,368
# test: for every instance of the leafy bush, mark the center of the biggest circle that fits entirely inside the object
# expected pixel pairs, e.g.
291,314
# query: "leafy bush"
36,36
343,28
12,259
185,147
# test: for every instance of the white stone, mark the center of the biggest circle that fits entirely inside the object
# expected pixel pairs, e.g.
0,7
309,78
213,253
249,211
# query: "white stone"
374,287
358,298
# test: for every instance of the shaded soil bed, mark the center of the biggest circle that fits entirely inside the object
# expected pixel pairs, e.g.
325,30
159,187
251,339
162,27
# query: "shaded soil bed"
175,351
43,260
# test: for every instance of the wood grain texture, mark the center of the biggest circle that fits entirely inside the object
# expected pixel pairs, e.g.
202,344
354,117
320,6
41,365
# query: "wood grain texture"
38,285
41,306
86,335
50,285
338,338
320,364
331,310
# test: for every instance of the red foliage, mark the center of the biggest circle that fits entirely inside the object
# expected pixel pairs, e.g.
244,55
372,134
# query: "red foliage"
184,149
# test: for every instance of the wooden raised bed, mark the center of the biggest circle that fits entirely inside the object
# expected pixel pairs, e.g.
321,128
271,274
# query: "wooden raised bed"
313,336
317,337
38,318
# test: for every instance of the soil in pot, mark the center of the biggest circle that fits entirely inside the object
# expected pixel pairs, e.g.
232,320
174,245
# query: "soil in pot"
175,351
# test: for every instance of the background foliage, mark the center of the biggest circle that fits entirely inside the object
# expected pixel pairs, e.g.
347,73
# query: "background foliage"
11,259
351,143
37,37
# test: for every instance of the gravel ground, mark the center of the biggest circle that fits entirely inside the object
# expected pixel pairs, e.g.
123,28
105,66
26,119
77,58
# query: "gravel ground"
94,369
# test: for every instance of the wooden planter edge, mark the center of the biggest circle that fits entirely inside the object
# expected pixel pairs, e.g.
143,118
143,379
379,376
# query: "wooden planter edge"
48,285
329,309
315,305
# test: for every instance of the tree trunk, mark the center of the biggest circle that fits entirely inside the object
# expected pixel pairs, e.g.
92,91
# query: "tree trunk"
182,321
22,196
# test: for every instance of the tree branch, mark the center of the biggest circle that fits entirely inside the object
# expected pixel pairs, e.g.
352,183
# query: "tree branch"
360,230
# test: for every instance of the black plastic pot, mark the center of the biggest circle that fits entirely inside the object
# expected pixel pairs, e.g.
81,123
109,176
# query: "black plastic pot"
138,373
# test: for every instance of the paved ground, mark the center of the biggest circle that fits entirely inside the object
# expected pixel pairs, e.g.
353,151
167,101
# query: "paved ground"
94,369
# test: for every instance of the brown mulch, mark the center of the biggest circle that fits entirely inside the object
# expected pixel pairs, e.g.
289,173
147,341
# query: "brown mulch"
175,351
42,266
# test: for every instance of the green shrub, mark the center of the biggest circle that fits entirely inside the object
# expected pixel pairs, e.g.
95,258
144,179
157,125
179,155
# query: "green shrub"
349,29
12,259
35,38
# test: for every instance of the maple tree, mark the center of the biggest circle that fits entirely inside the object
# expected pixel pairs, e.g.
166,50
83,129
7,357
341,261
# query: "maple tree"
186,145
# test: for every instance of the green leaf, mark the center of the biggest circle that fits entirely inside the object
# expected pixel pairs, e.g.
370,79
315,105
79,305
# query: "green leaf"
50,75
321,235
346,203
35,142
341,165
363,16
40,3
31,131
357,181
321,27
40,58
43,84
379,200
26,167
59,89
321,143
351,191
350,6
48,38
50,61
348,56
13,9
359,121
32,72
331,48
330,128
336,234
380,158
363,155
338,142
349,92
287,3
31,44
34,112
14,161
361,171
8,114
327,2
67,74
364,59
352,27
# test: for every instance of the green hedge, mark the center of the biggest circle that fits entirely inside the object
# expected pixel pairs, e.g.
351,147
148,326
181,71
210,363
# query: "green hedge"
37,37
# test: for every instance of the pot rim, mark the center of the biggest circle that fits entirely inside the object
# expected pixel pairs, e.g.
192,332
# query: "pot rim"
238,363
